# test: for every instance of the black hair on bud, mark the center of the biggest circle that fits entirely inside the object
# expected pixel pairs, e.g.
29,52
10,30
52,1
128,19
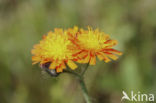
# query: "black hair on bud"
52,72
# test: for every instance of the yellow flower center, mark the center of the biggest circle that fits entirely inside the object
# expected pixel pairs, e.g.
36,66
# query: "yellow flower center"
91,40
55,46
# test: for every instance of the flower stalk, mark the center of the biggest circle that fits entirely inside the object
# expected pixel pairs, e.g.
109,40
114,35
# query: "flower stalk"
82,82
84,90
83,72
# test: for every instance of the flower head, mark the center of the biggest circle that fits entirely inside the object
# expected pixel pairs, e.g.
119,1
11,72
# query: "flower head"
54,48
60,48
91,43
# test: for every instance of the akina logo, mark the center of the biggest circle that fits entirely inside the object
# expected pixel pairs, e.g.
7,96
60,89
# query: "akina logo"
137,97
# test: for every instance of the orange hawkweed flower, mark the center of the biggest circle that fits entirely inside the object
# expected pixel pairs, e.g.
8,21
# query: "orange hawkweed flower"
54,48
89,44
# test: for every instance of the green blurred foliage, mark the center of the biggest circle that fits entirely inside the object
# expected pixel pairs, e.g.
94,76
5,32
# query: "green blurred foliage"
23,22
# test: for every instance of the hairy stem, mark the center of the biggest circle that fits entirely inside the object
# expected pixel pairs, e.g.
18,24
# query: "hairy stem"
84,90
82,83
85,70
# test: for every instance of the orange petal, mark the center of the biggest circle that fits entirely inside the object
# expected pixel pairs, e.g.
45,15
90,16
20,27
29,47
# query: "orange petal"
92,60
106,59
78,53
86,59
100,56
110,43
71,64
117,52
83,54
59,70
58,30
36,59
106,37
63,66
34,63
53,65
113,51
43,61
114,57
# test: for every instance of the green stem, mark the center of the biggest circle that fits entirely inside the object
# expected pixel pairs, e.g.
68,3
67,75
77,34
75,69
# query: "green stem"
85,70
84,90
73,73
82,83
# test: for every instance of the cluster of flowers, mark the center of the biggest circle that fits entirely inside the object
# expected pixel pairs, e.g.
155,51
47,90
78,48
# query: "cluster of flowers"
63,48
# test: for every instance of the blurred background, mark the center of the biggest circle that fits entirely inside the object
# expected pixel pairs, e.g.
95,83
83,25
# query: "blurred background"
23,22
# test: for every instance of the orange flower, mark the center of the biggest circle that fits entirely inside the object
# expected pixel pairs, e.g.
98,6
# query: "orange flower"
54,48
91,43
61,48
